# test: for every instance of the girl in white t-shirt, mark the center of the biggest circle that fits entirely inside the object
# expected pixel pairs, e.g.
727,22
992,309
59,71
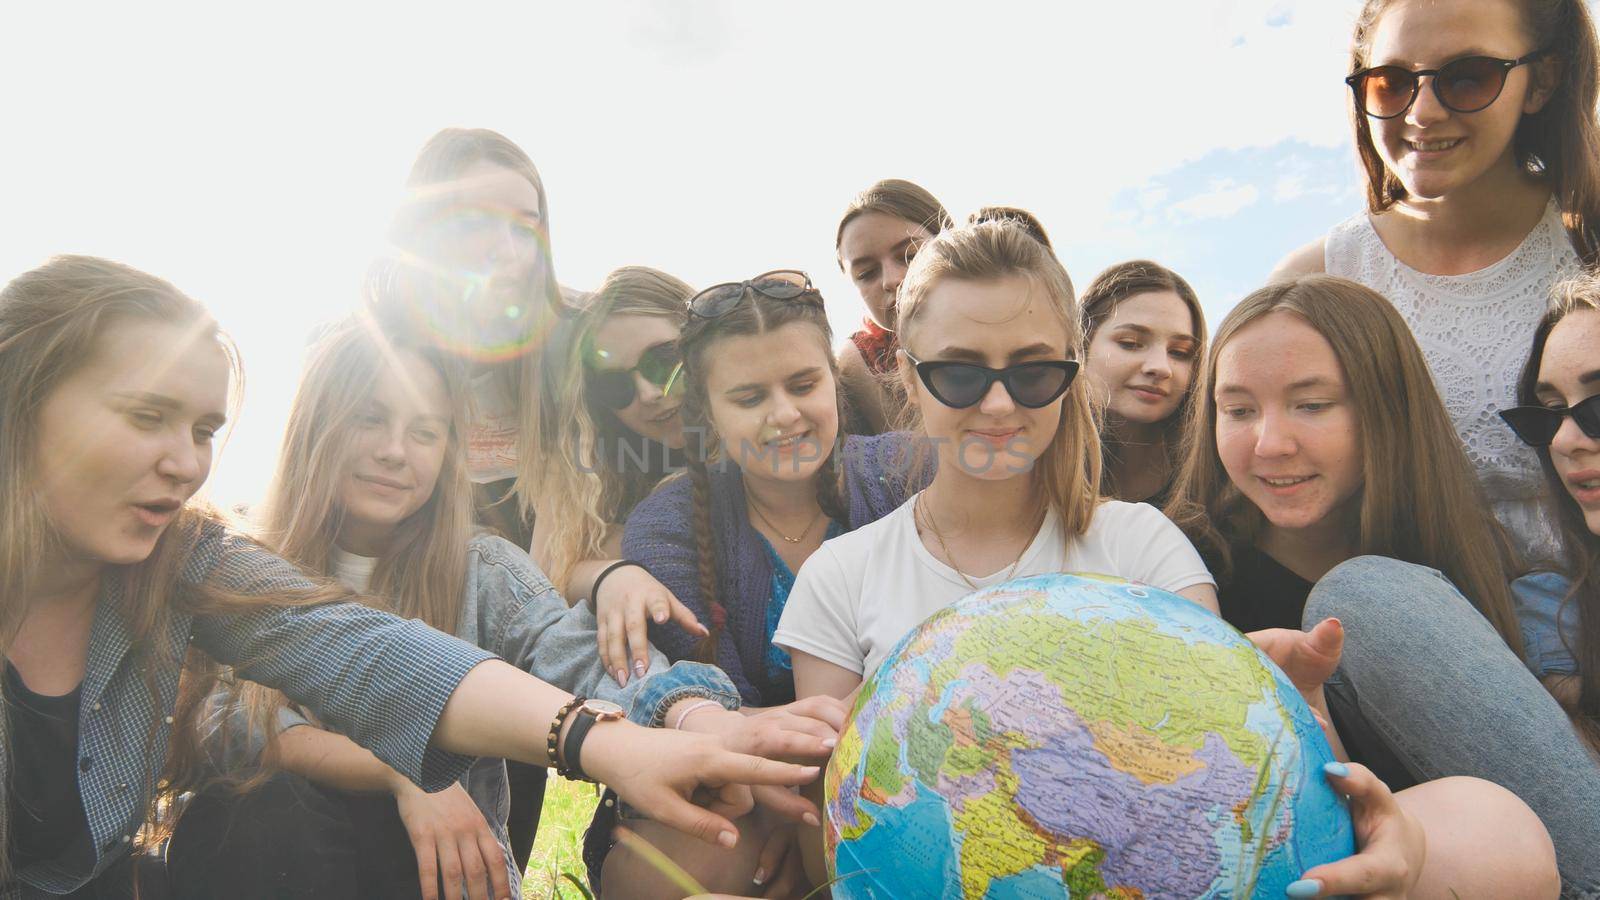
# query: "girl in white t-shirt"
990,341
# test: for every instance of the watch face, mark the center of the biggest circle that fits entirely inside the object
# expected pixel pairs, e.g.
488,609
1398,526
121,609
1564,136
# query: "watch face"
603,709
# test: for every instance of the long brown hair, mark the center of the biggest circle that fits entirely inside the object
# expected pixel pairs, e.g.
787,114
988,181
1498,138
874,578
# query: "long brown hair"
755,314
51,321
422,573
1419,502
1100,299
405,283
1069,469
581,492
1581,547
1560,142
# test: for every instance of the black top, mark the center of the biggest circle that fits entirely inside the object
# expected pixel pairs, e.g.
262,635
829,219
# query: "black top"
47,820
1261,593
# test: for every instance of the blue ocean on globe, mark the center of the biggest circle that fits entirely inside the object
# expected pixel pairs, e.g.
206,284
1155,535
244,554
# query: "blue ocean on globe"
1079,736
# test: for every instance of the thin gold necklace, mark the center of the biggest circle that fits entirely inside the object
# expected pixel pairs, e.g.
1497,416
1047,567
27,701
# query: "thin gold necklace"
928,516
750,502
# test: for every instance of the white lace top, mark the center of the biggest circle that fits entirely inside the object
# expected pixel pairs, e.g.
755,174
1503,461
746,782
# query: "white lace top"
1475,331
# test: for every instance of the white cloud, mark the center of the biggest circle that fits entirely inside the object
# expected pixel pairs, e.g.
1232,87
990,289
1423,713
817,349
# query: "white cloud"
1224,198
253,160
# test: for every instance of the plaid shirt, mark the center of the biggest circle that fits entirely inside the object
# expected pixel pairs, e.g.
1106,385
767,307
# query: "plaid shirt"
510,609
382,680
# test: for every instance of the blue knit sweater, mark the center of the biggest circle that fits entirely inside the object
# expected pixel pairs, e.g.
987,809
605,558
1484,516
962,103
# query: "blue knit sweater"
660,535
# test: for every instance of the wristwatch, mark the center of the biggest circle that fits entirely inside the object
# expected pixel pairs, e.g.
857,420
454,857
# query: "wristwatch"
584,717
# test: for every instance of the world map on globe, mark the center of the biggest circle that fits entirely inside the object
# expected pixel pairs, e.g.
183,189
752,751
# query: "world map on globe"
1079,736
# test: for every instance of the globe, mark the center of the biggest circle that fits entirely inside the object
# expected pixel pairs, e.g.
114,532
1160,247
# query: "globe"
1079,736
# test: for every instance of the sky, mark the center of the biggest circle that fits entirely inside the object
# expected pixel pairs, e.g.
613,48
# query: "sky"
254,159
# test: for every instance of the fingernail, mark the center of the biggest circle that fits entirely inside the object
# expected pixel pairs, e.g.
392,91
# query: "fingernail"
1336,769
761,876
728,839
811,819
639,668
622,676
1305,887
661,619
830,743
810,771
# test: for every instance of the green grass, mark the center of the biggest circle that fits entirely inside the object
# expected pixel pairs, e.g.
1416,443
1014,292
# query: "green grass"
558,848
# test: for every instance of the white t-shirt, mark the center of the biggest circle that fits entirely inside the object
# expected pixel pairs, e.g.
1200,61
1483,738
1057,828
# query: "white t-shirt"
861,592
352,571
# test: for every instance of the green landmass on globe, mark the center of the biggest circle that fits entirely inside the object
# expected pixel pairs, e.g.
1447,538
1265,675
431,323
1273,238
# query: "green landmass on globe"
1078,736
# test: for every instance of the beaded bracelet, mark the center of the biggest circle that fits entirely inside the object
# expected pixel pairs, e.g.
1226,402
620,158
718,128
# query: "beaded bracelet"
555,732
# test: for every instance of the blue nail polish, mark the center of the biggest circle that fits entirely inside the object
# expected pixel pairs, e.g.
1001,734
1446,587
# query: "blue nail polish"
1305,887
1336,769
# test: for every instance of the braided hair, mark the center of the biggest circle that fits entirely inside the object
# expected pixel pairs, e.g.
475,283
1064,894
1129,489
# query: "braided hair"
755,314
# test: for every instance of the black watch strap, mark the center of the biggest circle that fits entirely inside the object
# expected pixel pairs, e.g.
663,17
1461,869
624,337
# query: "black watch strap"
572,746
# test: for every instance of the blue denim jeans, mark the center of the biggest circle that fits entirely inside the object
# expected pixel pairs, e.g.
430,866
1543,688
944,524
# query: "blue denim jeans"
1428,675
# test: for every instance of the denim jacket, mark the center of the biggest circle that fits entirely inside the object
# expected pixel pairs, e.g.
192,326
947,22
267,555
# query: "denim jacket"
382,680
510,609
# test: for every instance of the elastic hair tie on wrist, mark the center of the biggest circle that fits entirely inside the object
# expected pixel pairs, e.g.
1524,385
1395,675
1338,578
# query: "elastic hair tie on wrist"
691,709
594,589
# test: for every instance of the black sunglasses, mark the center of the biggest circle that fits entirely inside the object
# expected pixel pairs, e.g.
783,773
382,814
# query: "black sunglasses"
1464,85
616,388
779,284
1537,425
959,385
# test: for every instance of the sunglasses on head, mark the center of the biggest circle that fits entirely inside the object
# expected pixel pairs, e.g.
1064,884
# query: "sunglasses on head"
616,389
959,385
779,284
1537,425
1464,85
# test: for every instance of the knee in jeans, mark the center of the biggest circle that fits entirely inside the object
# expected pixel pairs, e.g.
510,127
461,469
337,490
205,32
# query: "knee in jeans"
1364,589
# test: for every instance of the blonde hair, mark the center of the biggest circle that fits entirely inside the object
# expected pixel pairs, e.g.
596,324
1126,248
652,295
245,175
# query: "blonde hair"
51,321
422,573
1419,501
581,493
1069,469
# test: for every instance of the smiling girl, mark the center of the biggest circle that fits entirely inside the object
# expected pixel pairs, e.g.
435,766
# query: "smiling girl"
1322,480
769,479
991,338
1560,418
112,387
1475,122
1144,330
608,368
878,235
372,489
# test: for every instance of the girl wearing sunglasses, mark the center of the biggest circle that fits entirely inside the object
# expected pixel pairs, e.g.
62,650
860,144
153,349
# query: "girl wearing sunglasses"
990,338
1476,127
770,477
620,432
122,597
1144,330
1560,419
878,234
1322,480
